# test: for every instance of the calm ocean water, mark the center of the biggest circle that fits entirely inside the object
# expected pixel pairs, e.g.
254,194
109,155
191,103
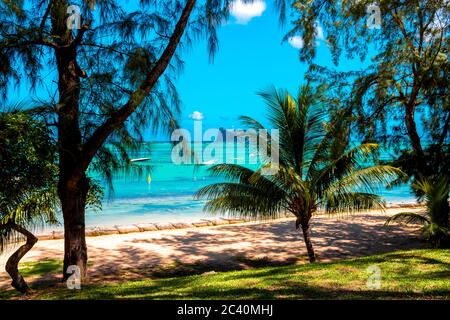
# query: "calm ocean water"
169,196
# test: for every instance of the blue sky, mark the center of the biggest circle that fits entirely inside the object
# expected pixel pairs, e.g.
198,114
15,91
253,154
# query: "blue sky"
251,58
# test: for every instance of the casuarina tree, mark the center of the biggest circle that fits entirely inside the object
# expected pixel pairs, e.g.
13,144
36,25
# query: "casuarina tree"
400,96
109,67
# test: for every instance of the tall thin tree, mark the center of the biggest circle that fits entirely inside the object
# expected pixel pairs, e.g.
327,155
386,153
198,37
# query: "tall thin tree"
401,95
113,64
405,87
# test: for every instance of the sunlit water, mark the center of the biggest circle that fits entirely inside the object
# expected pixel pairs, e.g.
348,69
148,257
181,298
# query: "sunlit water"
170,195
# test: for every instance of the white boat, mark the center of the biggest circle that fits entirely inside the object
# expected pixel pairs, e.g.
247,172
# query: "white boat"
139,159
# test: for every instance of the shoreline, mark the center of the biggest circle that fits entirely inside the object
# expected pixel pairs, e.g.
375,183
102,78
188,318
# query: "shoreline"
97,231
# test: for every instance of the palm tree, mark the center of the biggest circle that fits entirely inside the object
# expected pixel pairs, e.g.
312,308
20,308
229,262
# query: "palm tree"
317,168
434,193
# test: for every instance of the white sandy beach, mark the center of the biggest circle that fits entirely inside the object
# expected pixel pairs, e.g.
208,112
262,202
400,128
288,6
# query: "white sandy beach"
236,246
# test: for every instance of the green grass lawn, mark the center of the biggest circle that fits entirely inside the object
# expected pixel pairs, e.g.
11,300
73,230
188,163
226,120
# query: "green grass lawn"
411,274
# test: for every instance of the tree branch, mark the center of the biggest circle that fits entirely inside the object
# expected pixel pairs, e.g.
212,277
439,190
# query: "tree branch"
40,42
44,18
445,130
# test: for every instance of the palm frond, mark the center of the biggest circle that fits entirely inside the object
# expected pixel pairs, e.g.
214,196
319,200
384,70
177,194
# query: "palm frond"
231,171
435,192
299,121
339,166
369,179
244,200
317,168
36,209
435,234
407,218
251,123
351,202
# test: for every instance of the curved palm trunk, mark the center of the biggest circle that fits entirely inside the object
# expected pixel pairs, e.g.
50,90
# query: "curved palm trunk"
18,282
308,243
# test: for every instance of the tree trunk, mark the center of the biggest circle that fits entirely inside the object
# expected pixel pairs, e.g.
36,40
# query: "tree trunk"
18,282
412,131
73,185
443,218
415,140
308,243
73,201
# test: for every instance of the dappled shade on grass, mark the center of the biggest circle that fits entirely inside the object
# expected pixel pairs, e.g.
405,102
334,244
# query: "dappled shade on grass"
404,274
41,268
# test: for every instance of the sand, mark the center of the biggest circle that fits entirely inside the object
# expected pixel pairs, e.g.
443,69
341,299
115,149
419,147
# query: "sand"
239,246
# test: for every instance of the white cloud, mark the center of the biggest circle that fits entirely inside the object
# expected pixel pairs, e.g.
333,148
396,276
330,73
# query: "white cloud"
244,12
297,41
197,115
319,32
436,27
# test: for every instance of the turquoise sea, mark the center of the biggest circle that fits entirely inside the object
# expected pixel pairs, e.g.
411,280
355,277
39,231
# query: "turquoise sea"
169,196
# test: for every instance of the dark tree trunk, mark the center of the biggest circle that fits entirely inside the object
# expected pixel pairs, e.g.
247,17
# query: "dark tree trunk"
308,243
73,201
416,145
412,131
443,218
18,282
410,122
73,184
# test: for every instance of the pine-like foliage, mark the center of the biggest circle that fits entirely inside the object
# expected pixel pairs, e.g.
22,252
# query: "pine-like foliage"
119,44
401,95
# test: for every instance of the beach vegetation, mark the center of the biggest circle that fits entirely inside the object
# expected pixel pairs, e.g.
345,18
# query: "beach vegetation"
400,99
434,194
114,67
28,196
318,167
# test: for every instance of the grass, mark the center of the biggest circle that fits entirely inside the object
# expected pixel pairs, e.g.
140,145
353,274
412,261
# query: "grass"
415,274
40,268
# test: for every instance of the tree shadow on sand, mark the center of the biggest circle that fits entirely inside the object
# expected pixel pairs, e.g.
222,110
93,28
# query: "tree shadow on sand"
230,248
